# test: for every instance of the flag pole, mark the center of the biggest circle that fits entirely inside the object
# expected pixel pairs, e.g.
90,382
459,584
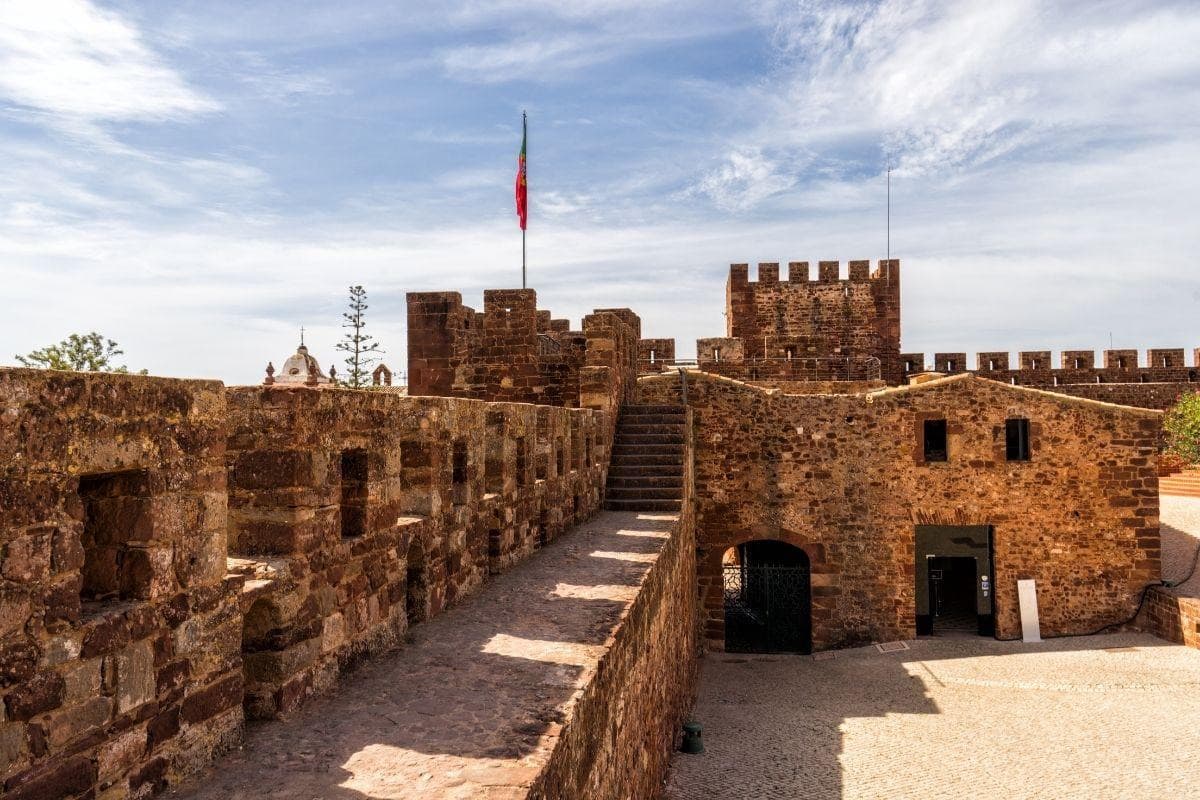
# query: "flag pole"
525,167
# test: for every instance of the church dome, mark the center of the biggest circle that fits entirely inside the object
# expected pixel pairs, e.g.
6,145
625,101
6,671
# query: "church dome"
299,367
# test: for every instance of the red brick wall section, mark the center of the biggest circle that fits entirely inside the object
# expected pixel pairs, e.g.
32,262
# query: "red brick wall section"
458,489
655,355
512,352
1172,617
840,477
786,324
119,633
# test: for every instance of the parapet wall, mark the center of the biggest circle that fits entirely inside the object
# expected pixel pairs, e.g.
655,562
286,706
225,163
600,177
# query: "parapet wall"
368,512
513,352
625,725
832,319
120,664
1120,378
177,555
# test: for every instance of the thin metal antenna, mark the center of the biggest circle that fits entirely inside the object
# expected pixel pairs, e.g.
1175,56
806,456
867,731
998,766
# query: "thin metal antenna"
889,212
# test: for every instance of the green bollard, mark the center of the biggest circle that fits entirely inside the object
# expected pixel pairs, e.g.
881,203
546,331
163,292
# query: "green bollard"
692,743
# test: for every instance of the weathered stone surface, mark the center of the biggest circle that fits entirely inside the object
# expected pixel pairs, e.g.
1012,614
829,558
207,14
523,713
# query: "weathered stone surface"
540,685
843,478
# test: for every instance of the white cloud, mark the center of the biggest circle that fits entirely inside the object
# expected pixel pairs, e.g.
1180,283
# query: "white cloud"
745,179
73,59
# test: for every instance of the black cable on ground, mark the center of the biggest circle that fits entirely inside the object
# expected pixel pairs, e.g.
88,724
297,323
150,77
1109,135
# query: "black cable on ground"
1141,600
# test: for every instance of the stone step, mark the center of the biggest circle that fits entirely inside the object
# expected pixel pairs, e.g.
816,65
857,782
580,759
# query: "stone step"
645,481
652,409
642,493
637,429
645,471
643,505
652,419
648,438
647,450
647,460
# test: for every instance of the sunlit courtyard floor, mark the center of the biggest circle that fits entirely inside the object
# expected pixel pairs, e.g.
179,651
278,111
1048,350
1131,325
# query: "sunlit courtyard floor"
959,717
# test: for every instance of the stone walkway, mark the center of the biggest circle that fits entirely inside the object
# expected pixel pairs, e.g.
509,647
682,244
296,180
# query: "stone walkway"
1096,717
472,707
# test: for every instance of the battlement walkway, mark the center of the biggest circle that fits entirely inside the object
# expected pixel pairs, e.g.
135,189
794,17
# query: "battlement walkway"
474,705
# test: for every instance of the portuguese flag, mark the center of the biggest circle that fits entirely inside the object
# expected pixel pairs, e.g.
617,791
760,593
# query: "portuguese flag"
522,186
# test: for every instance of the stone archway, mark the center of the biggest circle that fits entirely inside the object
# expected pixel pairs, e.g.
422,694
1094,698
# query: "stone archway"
767,598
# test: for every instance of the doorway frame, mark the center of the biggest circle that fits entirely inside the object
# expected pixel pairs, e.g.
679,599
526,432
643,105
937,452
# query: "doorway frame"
973,541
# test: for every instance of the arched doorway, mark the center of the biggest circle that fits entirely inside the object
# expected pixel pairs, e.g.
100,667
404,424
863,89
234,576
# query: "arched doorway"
768,598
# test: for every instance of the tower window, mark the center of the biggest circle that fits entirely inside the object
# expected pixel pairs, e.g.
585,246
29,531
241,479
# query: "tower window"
935,439
716,354
354,492
1016,439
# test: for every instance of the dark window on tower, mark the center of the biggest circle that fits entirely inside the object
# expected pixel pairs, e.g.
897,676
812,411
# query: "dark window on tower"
935,440
950,365
1120,362
354,492
459,472
908,366
1016,439
716,354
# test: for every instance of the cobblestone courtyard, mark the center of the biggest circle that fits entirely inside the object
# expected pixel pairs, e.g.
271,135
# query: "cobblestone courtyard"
1097,717
1091,717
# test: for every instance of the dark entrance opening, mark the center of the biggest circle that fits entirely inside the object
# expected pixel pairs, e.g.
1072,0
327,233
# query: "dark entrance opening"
952,593
768,599
954,579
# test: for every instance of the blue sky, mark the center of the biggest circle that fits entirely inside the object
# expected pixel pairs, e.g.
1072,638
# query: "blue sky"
199,179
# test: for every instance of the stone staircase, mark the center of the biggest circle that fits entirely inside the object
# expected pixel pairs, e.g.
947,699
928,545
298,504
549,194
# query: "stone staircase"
1180,484
646,472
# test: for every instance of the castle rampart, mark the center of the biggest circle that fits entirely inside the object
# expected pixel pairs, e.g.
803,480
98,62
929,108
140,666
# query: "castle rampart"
799,329
513,352
178,555
1155,383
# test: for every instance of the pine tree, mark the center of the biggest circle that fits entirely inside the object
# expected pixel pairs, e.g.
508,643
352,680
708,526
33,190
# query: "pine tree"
358,344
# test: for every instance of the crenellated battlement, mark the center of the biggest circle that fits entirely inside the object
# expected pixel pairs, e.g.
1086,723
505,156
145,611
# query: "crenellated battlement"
1038,368
513,351
850,314
798,272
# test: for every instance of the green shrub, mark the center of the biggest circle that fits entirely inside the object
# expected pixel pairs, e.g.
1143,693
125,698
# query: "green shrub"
1182,427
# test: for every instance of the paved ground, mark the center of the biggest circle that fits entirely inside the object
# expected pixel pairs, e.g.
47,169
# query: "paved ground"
472,707
964,717
1097,717
1180,529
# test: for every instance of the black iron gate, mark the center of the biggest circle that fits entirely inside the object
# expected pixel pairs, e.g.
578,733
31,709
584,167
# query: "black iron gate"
768,609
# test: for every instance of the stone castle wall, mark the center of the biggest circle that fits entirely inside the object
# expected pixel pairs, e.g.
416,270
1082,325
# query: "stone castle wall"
366,512
831,328
178,555
625,726
120,664
511,352
842,478
1120,379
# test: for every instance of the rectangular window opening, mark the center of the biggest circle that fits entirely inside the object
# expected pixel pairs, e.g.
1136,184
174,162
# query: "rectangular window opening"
935,439
354,492
1016,439
459,472
522,465
116,519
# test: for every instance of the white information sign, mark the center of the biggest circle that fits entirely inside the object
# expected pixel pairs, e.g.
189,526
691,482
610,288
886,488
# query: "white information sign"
1031,627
